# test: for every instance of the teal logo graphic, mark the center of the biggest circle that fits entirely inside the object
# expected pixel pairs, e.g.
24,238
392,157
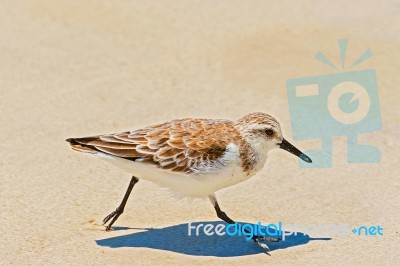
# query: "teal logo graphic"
339,104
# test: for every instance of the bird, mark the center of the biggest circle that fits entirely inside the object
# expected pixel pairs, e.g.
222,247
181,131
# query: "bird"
192,157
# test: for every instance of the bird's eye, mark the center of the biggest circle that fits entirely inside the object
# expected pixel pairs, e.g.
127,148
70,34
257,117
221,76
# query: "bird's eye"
269,132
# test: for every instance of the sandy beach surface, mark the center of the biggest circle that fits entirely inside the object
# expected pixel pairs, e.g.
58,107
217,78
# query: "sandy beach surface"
80,68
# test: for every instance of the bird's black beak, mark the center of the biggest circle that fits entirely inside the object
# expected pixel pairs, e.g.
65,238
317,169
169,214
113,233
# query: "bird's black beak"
285,145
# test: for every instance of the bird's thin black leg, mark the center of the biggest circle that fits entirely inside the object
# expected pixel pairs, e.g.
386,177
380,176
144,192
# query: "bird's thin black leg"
115,214
222,215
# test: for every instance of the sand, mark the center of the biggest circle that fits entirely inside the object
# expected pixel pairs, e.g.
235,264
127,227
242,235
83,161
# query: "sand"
78,68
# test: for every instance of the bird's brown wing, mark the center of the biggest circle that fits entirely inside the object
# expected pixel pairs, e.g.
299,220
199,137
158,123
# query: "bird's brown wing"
178,145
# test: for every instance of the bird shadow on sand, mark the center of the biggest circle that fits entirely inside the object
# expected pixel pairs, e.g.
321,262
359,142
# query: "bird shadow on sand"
176,239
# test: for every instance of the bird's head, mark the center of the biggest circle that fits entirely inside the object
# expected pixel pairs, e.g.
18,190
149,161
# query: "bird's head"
263,133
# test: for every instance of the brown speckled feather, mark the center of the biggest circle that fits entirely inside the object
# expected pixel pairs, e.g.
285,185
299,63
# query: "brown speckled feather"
177,145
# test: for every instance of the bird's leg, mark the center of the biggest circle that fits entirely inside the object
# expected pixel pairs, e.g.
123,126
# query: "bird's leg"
115,214
222,215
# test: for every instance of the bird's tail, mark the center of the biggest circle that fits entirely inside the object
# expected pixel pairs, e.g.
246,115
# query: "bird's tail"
78,144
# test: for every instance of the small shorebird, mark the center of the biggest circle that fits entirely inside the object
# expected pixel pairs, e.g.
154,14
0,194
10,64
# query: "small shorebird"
194,157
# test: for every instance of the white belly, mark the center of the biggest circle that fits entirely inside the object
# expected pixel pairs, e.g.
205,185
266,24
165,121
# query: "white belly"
204,181
191,185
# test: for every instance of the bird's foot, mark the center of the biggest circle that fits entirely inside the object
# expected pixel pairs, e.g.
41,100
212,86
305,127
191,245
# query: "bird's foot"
114,216
259,241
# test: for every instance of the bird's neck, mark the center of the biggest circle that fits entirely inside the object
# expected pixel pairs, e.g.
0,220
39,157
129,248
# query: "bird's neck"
253,157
